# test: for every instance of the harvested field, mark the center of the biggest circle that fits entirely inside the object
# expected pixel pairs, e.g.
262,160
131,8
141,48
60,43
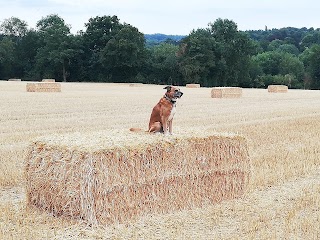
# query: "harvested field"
282,132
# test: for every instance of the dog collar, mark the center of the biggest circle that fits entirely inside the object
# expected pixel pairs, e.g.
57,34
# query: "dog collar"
169,99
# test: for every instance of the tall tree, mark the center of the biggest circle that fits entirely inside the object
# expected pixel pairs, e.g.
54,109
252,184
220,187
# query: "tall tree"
164,64
26,54
7,49
16,30
234,49
280,67
310,39
54,55
124,54
197,57
217,56
14,27
99,31
311,60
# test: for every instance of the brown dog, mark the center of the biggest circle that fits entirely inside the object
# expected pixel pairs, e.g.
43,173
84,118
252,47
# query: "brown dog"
162,114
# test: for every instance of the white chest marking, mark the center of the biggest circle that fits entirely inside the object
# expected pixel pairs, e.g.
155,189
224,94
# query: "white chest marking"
173,111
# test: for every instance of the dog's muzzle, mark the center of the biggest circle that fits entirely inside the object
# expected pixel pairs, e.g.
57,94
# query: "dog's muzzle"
178,94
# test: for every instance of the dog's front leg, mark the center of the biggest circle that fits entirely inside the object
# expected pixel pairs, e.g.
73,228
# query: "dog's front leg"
170,127
165,126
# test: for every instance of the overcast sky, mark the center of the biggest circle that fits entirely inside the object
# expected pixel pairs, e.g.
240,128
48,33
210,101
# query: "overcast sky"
177,17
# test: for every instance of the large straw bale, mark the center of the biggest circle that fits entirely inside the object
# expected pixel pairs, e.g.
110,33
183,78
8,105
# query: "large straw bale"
193,85
226,92
43,87
117,176
48,80
277,88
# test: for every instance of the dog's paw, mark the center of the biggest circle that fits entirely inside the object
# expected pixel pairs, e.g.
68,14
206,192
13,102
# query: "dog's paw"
168,134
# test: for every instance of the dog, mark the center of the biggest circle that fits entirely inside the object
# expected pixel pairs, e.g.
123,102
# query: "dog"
163,112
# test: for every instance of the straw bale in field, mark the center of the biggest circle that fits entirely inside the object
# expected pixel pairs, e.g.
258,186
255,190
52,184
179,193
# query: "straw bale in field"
110,177
193,85
277,88
135,84
226,92
43,87
14,79
48,80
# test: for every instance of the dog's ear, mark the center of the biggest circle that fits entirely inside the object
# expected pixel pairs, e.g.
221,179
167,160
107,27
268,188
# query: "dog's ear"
168,88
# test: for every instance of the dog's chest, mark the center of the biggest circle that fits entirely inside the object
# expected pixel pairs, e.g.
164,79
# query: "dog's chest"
173,111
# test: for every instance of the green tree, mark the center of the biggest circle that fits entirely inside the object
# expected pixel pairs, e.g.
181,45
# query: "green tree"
14,27
283,46
197,57
292,67
24,55
289,48
279,67
269,62
7,49
55,53
164,64
255,71
217,56
16,30
311,60
123,55
233,54
275,44
99,31
310,39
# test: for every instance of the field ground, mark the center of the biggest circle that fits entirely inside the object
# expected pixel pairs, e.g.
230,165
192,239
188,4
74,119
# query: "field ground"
282,130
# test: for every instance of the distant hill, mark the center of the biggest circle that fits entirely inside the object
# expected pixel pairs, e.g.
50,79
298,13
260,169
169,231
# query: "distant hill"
157,38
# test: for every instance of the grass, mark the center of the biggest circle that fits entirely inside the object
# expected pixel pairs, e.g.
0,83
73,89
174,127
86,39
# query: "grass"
282,131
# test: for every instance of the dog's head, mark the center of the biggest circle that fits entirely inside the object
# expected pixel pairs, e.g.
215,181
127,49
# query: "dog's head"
173,92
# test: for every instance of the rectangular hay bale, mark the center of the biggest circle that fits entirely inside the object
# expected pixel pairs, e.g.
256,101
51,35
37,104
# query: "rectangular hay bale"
192,85
48,80
14,80
226,92
135,84
43,87
277,88
103,178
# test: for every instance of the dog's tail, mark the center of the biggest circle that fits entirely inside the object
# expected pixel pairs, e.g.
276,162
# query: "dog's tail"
136,130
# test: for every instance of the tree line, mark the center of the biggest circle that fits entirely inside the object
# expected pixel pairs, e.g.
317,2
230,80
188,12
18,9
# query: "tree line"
111,51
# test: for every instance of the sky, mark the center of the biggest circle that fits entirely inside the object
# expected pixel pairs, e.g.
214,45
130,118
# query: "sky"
176,17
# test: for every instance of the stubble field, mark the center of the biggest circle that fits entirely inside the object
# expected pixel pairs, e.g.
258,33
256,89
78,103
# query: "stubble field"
282,130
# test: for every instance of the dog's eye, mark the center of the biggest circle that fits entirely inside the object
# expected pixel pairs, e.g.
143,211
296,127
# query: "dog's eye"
176,90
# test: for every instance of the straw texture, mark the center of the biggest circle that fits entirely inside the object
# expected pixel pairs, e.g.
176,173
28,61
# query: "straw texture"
277,88
43,87
106,179
226,92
